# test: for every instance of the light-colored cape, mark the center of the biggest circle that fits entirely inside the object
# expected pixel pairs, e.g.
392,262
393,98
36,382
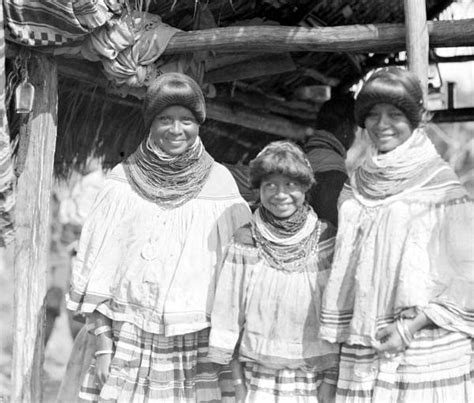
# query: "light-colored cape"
412,248
155,267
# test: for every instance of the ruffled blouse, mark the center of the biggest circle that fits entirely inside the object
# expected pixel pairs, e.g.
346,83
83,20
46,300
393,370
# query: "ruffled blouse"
272,313
155,267
411,249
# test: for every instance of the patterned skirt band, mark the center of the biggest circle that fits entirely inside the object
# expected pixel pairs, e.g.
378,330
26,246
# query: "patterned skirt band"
147,367
435,368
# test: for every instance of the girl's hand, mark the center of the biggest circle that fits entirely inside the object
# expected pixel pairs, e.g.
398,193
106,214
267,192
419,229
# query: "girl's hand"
240,393
326,393
390,342
102,368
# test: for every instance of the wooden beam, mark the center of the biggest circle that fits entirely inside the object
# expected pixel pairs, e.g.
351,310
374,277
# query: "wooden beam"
37,146
264,65
267,123
216,61
302,111
417,41
371,38
453,115
245,117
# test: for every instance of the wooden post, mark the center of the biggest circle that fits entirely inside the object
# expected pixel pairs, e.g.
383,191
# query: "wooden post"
37,146
417,40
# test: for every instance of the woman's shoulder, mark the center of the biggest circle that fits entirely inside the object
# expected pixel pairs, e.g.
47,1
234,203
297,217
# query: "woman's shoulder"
220,183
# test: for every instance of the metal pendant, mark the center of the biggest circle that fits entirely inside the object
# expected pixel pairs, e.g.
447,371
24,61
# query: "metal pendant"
24,96
149,251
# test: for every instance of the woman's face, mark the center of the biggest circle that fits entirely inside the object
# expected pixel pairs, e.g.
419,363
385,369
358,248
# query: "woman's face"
388,127
281,195
174,129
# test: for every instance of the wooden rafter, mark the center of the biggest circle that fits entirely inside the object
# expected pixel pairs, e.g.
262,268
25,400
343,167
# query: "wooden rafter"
216,110
371,38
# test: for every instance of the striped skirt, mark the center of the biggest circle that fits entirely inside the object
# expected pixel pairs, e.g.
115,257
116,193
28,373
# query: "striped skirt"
282,385
436,368
147,367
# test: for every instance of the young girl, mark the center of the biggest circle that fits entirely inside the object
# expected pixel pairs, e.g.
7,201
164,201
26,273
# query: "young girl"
266,311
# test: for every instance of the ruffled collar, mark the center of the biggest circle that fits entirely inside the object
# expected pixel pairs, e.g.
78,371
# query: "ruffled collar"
409,165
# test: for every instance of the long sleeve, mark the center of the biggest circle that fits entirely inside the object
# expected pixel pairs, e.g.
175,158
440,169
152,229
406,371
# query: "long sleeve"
452,254
228,314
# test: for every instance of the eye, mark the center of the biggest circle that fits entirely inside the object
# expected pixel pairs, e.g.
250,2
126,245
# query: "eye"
371,115
293,185
188,121
165,120
268,185
397,114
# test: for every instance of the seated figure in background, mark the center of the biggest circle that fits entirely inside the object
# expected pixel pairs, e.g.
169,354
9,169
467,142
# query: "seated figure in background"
326,151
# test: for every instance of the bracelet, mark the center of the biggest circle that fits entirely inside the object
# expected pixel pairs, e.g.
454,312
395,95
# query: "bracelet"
238,382
102,329
408,334
404,332
103,352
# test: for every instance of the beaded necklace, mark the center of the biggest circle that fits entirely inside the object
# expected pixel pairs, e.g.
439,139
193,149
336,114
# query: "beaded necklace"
290,253
167,180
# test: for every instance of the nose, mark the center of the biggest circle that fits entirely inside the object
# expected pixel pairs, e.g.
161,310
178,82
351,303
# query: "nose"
383,120
281,191
176,127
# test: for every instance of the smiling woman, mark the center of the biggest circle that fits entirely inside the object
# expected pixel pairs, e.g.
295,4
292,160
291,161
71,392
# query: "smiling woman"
399,297
387,126
390,107
147,261
174,129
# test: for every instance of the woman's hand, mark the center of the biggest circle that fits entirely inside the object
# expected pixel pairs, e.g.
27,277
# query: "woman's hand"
103,355
390,339
240,393
326,393
102,368
239,381
390,342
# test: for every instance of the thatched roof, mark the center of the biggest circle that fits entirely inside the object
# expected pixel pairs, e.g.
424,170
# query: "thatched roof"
92,121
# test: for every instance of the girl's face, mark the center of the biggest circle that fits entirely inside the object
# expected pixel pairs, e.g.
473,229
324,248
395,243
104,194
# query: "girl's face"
387,126
281,195
174,129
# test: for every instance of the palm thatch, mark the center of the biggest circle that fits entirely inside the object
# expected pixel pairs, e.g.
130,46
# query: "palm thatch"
95,123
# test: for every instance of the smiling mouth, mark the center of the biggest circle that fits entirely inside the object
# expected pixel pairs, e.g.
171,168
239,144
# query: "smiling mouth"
281,205
171,140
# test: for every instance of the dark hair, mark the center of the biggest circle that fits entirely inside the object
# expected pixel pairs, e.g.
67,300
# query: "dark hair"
395,86
337,117
281,157
173,89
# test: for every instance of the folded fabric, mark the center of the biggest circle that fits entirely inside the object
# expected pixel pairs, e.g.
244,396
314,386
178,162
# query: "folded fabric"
128,46
54,23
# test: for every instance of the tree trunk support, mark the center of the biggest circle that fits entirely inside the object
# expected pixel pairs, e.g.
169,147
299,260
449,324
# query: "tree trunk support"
32,241
417,41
